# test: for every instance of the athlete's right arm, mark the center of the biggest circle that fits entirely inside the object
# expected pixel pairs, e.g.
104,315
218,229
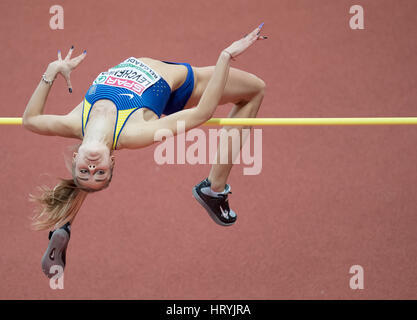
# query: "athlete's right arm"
34,118
152,131
208,103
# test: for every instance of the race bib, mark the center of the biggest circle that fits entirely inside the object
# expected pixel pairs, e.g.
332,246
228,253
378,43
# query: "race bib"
131,74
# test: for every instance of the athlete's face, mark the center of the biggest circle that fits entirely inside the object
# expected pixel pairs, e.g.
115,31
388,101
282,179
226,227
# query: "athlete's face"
92,166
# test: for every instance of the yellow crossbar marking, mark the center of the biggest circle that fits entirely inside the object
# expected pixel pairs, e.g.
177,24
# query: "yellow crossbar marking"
284,121
309,121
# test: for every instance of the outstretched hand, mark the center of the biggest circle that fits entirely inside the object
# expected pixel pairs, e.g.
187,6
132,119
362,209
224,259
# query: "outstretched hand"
65,66
239,46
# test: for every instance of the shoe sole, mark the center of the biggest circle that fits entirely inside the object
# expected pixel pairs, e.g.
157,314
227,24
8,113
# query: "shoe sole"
210,212
57,246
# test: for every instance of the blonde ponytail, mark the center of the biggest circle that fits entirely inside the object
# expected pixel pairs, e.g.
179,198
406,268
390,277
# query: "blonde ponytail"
57,206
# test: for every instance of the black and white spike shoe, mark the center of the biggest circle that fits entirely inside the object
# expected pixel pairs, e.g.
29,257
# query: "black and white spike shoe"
217,207
55,254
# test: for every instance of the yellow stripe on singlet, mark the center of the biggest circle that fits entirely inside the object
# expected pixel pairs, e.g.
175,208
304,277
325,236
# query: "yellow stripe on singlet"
86,111
122,116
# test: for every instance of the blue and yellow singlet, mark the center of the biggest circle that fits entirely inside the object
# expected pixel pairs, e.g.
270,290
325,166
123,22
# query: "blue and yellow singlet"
132,85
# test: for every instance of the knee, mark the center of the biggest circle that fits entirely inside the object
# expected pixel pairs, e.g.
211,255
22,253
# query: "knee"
256,91
259,86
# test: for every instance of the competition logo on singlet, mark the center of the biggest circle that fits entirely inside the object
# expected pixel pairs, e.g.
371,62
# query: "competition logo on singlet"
131,74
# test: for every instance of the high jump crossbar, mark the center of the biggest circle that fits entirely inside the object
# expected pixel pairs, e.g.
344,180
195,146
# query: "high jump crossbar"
283,121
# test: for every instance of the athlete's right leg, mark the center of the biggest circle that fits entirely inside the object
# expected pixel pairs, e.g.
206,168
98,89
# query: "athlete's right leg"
246,92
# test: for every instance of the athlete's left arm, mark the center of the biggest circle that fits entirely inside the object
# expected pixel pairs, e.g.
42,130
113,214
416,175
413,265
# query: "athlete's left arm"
34,118
68,125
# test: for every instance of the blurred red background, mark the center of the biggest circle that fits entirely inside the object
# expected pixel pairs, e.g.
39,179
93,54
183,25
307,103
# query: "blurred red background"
326,199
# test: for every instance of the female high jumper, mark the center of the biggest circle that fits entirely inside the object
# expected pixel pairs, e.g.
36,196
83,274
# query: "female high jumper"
122,110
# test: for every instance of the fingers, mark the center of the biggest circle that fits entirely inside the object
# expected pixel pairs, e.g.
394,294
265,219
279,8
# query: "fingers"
79,59
69,64
258,36
69,84
69,53
257,30
68,57
252,35
255,34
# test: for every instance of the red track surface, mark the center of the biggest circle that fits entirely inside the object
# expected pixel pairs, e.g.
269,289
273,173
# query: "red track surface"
327,198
